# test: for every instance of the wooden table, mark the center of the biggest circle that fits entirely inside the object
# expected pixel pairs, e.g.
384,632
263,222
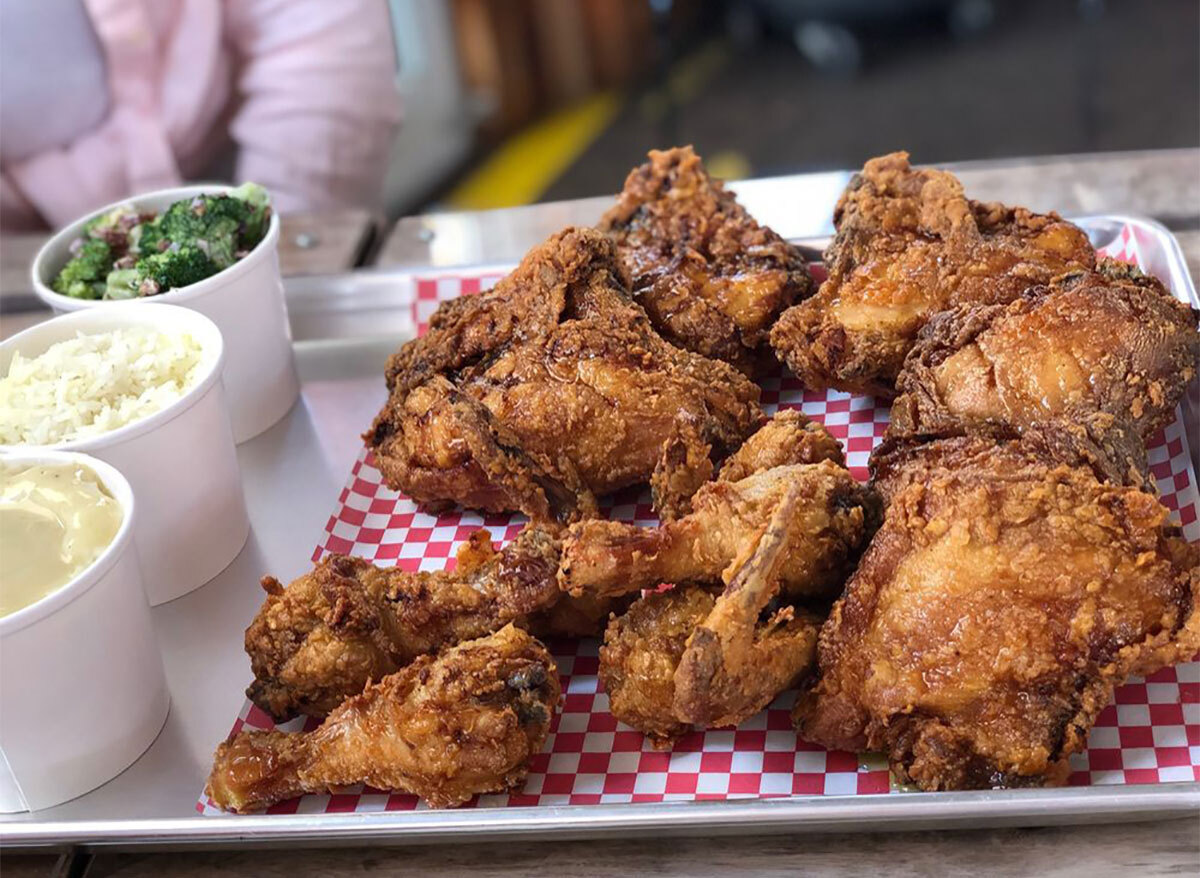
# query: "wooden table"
1164,185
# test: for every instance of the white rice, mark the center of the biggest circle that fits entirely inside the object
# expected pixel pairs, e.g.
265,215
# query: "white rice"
94,383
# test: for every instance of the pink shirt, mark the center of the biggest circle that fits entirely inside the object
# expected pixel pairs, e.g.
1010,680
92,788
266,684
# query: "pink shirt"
306,89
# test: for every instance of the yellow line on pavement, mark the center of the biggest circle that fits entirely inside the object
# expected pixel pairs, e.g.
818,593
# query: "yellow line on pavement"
525,165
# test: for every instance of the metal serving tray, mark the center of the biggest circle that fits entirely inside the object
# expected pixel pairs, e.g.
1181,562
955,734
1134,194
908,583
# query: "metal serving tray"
345,326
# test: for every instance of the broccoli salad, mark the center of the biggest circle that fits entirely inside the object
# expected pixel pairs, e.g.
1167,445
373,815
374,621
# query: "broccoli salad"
127,253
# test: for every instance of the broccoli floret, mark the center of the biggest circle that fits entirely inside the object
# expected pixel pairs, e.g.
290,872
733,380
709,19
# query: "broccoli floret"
147,238
122,283
159,272
123,217
205,222
84,276
258,215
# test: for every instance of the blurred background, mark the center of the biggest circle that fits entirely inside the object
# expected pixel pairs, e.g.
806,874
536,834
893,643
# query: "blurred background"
402,106
579,89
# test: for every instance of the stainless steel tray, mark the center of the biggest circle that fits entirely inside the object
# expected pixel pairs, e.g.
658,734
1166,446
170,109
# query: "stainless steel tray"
345,326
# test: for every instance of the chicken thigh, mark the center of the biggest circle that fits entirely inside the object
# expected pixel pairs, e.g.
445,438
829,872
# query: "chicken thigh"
909,244
549,390
711,278
1000,603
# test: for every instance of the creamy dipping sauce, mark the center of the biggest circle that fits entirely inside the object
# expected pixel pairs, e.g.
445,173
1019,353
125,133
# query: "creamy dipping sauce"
55,520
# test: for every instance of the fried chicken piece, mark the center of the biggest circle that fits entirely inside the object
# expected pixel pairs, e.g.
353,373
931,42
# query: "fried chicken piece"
571,618
547,391
444,728
1000,603
684,464
323,637
734,665
442,447
689,657
788,437
1100,443
833,524
641,651
909,244
1112,341
711,278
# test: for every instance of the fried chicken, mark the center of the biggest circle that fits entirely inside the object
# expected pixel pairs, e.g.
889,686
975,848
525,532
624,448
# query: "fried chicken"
711,278
641,651
1112,341
444,728
689,657
734,665
684,465
1100,443
833,523
323,637
571,618
788,437
1000,603
909,244
547,391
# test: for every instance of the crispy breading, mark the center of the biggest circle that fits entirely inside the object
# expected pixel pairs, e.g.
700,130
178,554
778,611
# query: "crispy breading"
1099,443
684,465
1112,341
688,657
711,278
909,244
738,659
347,621
571,618
547,391
789,437
1000,603
833,524
641,651
445,728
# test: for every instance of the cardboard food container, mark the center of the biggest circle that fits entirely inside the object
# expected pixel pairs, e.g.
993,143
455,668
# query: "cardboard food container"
82,687
180,461
245,300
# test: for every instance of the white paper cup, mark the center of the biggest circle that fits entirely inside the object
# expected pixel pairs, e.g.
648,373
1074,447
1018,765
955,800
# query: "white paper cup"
245,301
82,689
180,461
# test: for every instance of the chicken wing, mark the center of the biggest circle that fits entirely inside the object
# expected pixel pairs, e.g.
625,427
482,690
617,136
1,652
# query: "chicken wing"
547,391
1000,603
444,728
1112,341
788,437
909,244
734,665
641,651
711,278
323,637
833,523
689,657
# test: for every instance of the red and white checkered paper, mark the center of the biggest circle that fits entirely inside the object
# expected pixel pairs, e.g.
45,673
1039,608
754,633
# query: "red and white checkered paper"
1150,734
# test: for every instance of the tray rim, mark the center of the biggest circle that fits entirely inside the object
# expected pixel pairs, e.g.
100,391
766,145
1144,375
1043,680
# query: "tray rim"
881,812
886,811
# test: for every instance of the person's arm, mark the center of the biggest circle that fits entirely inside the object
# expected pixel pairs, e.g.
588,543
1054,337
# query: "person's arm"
318,100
